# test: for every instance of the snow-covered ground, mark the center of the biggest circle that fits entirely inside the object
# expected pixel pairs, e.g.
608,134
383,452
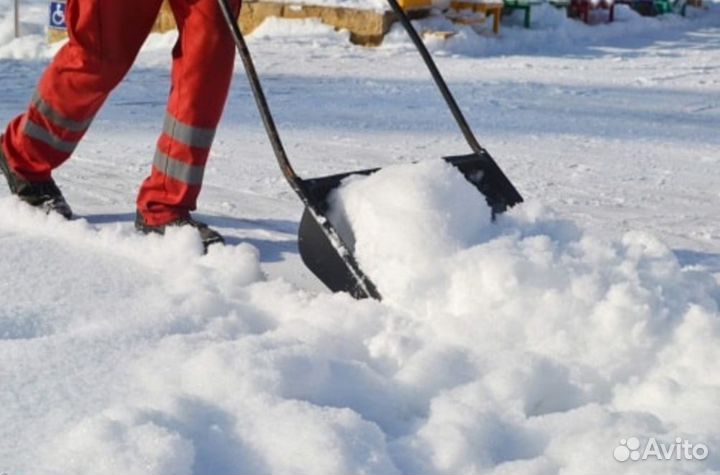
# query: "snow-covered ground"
540,344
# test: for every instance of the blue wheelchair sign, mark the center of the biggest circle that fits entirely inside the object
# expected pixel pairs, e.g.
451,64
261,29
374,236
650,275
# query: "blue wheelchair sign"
57,15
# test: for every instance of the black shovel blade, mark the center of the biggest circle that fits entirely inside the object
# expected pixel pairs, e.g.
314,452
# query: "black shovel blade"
334,269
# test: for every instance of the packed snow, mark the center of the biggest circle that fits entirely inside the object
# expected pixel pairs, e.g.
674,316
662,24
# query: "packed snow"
544,342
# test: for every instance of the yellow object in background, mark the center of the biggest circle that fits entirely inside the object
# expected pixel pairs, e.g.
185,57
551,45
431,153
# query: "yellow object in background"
412,4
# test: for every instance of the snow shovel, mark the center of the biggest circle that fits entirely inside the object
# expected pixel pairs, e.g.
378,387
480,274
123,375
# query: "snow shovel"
321,248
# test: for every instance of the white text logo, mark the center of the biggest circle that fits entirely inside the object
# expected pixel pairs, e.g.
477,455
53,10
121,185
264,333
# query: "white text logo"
682,449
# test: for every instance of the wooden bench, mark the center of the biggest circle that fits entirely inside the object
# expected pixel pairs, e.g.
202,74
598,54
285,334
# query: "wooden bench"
494,9
510,6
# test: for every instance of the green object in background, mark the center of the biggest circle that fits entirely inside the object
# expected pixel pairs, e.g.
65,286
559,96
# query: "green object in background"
655,7
662,6
525,5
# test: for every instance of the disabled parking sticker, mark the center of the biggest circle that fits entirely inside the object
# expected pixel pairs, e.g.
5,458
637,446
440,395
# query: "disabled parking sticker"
57,15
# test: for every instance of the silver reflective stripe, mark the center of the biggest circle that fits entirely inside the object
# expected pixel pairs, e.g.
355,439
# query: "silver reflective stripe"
193,136
45,109
35,131
190,174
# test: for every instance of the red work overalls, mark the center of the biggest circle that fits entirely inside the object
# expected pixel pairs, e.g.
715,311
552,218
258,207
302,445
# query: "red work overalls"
105,36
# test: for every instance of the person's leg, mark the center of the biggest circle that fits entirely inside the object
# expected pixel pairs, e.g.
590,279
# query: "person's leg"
202,69
105,36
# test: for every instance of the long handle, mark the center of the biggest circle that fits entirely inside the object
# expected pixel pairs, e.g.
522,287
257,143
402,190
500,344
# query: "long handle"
437,77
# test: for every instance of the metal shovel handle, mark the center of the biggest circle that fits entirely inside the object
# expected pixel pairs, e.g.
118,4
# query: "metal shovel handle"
437,77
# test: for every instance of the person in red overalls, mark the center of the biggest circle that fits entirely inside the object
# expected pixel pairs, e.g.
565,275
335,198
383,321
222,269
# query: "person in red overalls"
105,37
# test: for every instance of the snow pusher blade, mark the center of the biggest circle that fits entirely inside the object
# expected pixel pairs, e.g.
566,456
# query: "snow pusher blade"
322,249
321,256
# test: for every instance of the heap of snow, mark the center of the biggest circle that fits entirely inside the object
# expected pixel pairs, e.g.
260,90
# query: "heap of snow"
519,347
543,346
298,30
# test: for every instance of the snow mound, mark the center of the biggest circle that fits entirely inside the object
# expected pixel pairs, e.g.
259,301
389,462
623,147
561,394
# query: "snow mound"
119,267
526,327
552,32
521,346
32,43
299,29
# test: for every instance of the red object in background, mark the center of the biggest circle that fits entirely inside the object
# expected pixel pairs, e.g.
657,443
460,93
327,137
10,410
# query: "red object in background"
105,37
582,8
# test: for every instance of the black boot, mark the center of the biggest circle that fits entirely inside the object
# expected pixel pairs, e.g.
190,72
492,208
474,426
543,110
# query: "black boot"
207,234
44,195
